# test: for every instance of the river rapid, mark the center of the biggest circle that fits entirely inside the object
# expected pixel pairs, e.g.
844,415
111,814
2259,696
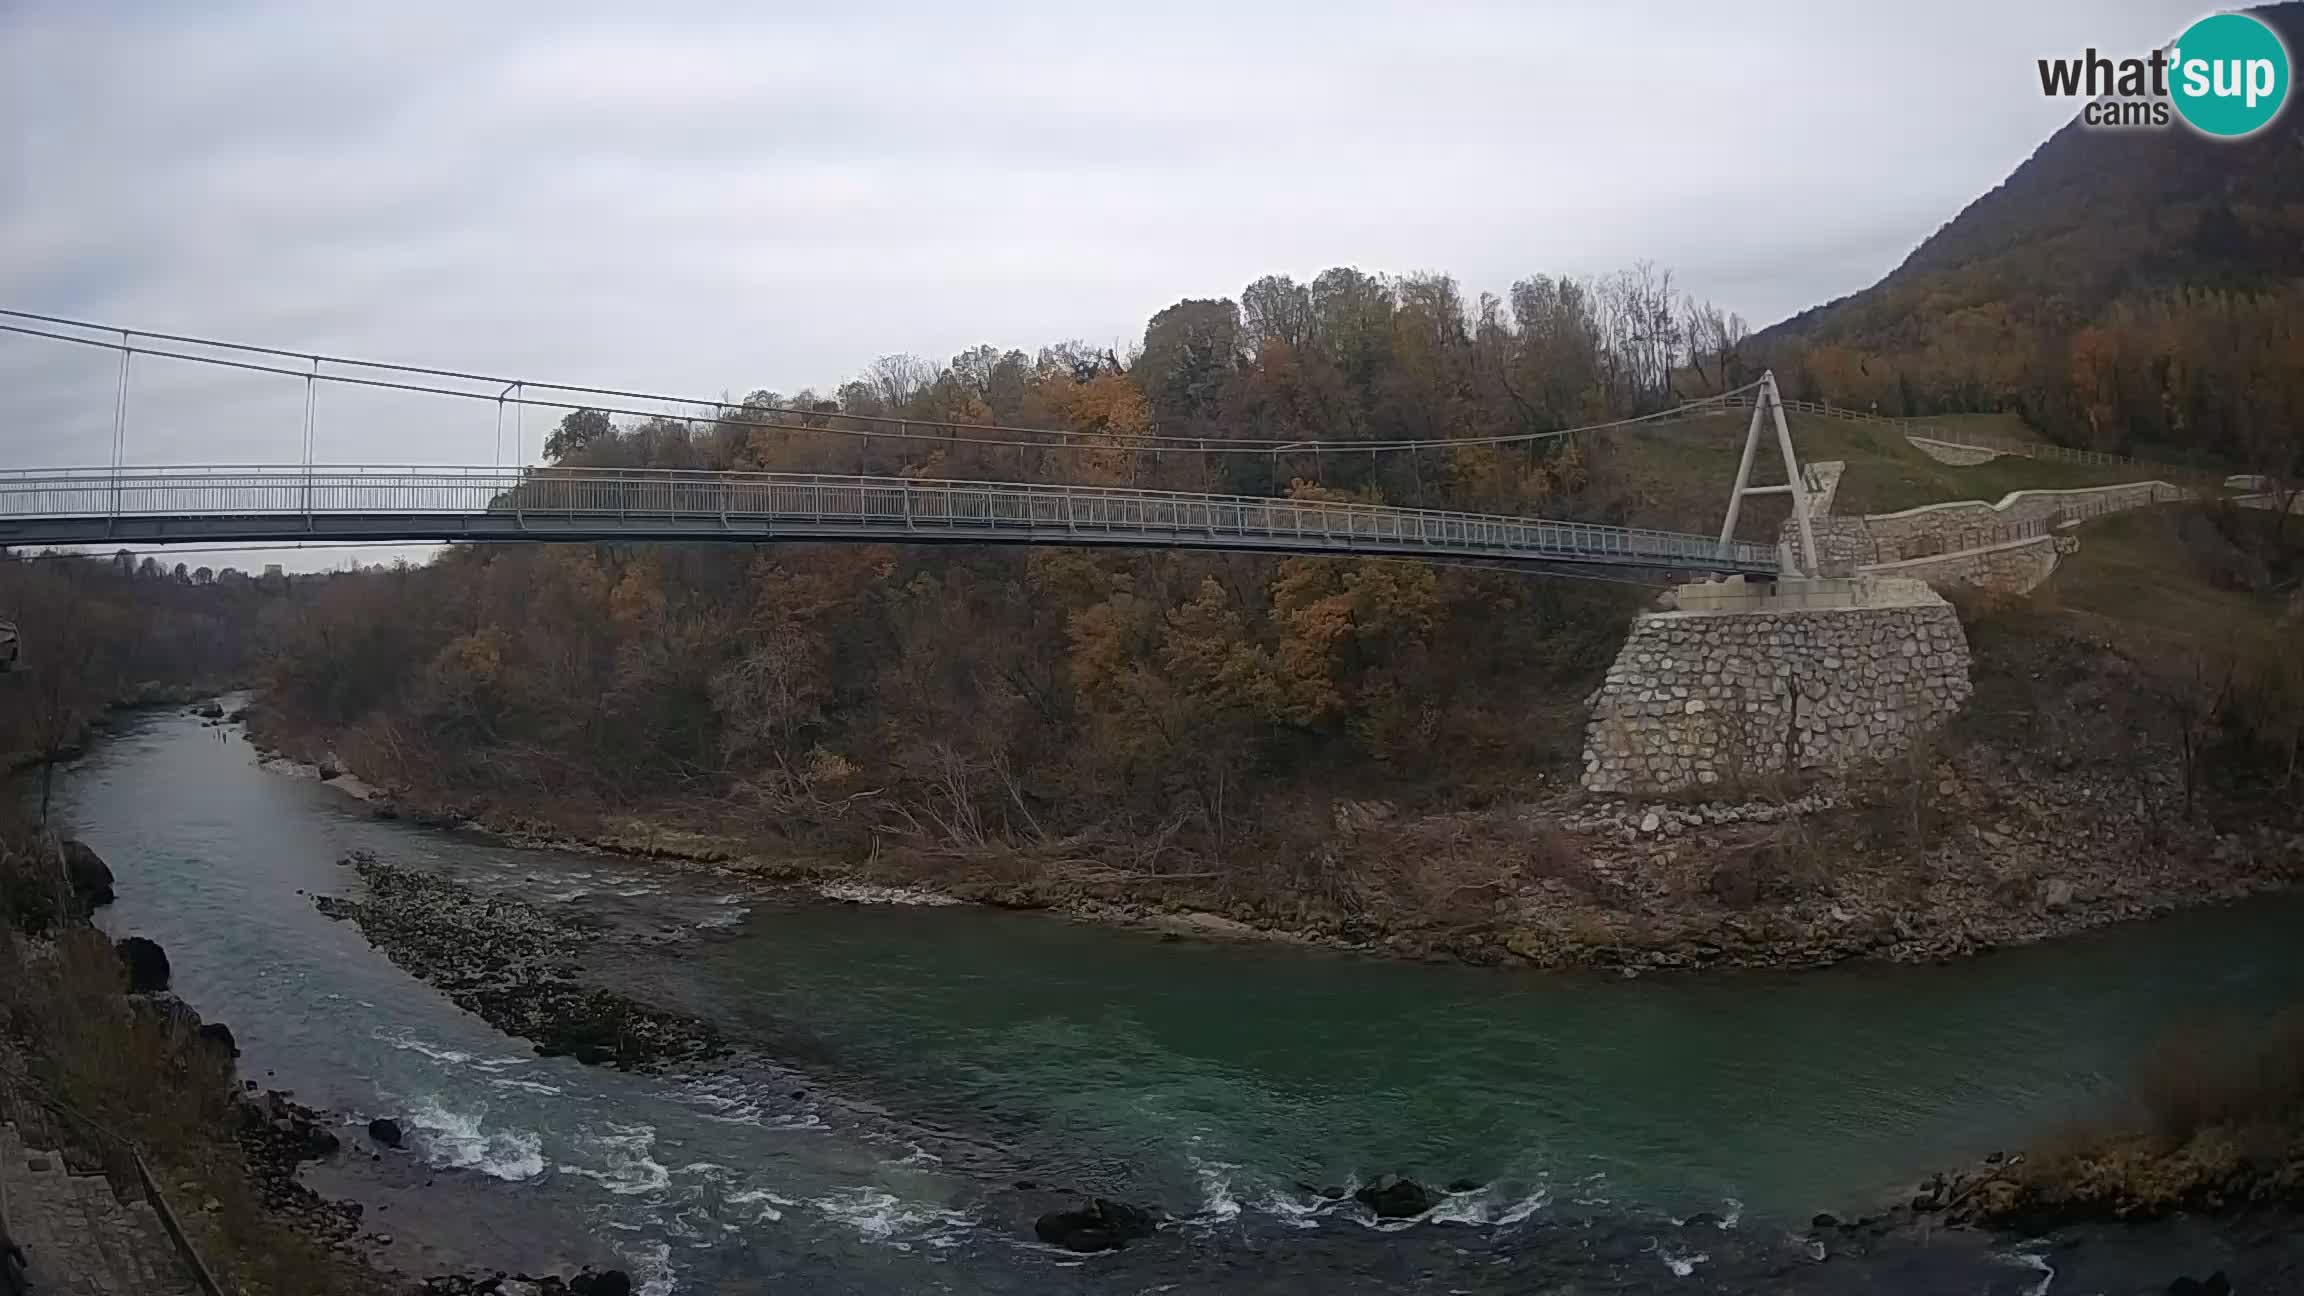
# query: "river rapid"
904,1072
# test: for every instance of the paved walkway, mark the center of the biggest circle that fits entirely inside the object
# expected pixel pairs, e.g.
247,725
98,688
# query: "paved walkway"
79,1239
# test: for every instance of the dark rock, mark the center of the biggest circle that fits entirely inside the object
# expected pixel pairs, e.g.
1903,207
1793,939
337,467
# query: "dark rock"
1101,1226
385,1132
330,770
1734,884
1465,1185
384,810
209,710
1704,1219
147,965
607,1282
2216,1285
1825,1220
90,877
219,1035
1398,1199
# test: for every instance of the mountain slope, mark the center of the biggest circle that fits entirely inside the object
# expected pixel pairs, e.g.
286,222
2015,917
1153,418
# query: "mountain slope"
2093,218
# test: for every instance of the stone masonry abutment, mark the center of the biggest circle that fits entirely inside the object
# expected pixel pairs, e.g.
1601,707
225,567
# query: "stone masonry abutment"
1742,680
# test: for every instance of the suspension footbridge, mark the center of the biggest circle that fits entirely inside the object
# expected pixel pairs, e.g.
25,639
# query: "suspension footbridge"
309,502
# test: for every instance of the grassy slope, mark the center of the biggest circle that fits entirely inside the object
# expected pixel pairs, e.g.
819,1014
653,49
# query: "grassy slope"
1673,473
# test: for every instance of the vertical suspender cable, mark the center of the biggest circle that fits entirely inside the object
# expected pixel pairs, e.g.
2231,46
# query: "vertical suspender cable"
311,397
120,423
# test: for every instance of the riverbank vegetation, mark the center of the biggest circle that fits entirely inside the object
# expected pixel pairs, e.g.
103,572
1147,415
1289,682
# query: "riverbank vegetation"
1355,747
102,632
2215,1123
139,1071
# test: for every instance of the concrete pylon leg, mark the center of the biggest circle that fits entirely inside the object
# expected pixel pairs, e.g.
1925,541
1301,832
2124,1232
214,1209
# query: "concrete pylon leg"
1767,403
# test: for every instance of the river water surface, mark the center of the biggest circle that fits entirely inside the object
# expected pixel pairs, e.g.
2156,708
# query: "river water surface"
906,1067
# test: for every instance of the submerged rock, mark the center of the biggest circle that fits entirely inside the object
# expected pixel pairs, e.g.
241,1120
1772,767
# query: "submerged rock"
385,1132
1102,1225
1396,1199
90,877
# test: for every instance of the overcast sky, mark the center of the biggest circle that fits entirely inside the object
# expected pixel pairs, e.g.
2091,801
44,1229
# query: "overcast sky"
721,197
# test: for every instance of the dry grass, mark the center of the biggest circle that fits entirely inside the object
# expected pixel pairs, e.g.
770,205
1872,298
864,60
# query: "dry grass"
142,1076
2202,1079
2220,1123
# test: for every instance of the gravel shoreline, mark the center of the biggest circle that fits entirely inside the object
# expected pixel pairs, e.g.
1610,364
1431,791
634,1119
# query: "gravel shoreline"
515,966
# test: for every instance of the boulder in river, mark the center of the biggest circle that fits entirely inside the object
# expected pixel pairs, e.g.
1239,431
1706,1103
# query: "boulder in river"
606,1282
2216,1284
385,1132
1102,1225
219,1035
1395,1199
90,877
147,965
209,710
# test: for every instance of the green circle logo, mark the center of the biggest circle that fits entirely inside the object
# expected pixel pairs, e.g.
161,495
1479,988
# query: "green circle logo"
2228,75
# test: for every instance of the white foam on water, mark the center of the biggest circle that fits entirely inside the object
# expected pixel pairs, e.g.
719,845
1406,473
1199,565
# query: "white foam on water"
407,1042
1300,1214
460,1141
729,1102
1732,1216
1489,1204
2046,1271
627,1169
1520,1211
629,893
525,1086
1683,1263
1215,1177
881,1216
652,1265
723,920
772,1205
918,1156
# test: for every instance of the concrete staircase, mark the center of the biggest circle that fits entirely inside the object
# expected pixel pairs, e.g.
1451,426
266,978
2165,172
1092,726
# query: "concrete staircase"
79,1239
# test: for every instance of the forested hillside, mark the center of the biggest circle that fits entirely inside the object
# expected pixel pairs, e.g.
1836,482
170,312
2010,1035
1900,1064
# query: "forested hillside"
2129,290
1173,707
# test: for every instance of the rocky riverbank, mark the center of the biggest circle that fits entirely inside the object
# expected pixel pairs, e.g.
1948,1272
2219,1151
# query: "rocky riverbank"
1971,853
513,965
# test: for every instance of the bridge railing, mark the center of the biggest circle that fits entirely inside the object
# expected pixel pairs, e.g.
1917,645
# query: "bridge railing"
1945,434
822,504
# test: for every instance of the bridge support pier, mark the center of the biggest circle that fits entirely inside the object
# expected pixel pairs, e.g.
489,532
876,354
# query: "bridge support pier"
1741,680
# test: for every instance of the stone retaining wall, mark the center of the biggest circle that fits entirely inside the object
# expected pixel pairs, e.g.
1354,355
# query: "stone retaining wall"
1933,529
1940,528
2013,567
1696,698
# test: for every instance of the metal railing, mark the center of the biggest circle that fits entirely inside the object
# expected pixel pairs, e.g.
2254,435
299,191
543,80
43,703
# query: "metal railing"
1965,438
61,506
1968,538
120,1148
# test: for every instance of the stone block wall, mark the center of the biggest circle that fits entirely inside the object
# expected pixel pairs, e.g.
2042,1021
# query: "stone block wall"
1939,528
2016,567
1695,698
